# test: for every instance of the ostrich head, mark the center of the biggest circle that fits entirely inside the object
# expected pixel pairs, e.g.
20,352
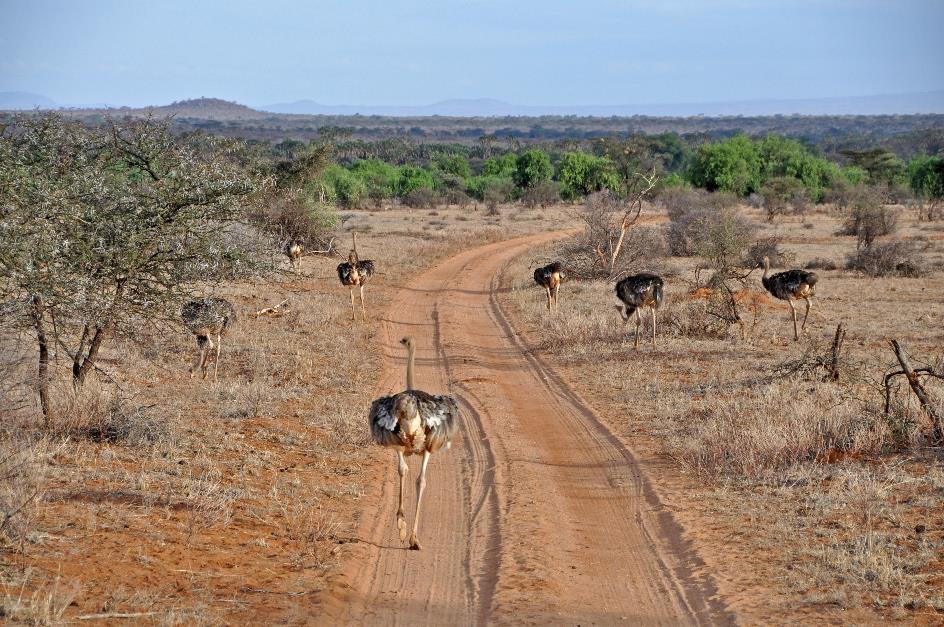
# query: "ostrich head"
408,341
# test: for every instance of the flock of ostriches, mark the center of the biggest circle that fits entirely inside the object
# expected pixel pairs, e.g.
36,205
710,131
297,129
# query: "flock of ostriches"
414,422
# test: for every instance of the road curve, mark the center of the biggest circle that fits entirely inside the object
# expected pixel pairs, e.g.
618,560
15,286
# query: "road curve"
538,514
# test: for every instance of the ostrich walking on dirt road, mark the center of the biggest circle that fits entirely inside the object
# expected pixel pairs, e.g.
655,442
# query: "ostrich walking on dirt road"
355,273
413,422
638,291
205,318
550,277
789,286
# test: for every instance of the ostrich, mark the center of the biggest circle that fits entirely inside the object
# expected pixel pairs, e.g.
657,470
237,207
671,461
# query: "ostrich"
637,291
550,277
789,286
354,273
413,423
293,249
205,318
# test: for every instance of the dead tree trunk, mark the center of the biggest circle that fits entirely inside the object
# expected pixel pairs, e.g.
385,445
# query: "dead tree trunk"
937,428
631,215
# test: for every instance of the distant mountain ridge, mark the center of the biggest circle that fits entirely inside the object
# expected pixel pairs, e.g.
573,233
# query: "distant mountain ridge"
882,104
218,109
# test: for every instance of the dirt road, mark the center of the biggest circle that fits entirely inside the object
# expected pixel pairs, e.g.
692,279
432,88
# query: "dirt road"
538,514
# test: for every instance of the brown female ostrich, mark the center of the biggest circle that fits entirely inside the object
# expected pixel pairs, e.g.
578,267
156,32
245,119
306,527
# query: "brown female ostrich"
205,318
294,250
550,277
789,286
638,291
413,423
354,273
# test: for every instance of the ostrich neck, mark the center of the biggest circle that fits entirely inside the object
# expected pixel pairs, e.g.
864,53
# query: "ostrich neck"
409,368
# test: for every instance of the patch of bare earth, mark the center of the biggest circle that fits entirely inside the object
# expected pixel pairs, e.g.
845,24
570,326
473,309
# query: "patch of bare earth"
176,501
805,501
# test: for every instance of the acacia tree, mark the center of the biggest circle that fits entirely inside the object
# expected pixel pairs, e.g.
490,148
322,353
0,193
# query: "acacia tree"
106,230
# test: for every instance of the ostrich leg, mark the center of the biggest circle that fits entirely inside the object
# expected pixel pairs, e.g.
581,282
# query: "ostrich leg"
420,486
200,357
363,310
216,362
402,468
809,305
796,334
547,289
638,323
653,327
556,295
353,317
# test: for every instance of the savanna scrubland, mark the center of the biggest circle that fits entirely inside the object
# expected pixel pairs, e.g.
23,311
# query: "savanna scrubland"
811,489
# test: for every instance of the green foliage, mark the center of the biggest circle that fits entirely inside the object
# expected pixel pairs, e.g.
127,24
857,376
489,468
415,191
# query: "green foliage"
531,168
674,181
926,177
854,175
454,164
580,174
379,177
884,167
412,178
733,165
343,186
504,166
485,188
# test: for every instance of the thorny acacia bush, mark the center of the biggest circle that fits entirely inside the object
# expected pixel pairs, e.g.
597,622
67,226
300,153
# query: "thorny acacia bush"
104,230
587,255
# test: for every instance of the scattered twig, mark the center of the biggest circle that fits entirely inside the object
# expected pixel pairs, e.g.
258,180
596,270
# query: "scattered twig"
108,615
271,311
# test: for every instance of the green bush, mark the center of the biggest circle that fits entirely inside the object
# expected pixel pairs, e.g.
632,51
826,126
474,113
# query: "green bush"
412,178
531,168
581,174
733,165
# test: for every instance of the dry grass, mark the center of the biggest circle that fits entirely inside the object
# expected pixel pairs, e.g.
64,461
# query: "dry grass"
810,504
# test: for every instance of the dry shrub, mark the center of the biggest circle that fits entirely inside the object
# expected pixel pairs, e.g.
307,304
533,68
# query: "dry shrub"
587,255
542,193
754,432
297,218
421,198
21,485
869,221
707,225
768,247
698,319
31,604
92,412
821,263
900,258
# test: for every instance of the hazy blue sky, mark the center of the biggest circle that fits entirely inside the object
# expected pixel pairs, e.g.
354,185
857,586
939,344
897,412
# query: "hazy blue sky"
416,52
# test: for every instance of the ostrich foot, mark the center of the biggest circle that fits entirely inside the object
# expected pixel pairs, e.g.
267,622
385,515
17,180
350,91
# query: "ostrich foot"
401,525
415,544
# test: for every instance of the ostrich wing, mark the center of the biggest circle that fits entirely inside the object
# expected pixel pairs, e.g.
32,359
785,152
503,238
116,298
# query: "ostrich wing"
440,416
384,428
365,268
344,272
